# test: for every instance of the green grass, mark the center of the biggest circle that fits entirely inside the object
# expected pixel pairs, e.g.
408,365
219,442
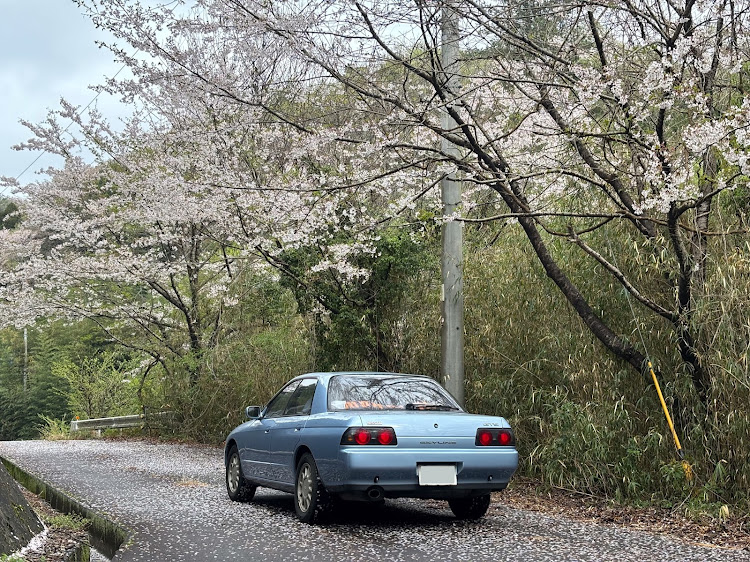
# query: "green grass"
67,521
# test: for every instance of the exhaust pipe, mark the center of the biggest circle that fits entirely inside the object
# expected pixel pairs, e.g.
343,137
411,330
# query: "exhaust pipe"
374,493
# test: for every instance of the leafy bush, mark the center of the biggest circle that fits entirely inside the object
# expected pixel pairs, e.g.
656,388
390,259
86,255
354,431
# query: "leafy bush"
99,386
53,429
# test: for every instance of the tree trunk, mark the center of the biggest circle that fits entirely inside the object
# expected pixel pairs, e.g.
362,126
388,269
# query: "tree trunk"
614,343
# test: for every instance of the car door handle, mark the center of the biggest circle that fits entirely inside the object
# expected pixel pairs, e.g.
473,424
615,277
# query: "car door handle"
267,431
297,429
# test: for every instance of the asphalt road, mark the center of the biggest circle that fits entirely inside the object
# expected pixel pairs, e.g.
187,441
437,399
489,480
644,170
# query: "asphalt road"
172,498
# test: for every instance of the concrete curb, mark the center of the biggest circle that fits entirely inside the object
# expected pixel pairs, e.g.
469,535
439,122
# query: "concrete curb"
107,536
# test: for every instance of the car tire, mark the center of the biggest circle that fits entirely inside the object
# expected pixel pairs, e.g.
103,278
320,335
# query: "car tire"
470,508
238,489
309,495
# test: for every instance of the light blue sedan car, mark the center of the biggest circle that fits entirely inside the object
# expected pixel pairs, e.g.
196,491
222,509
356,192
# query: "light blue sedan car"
369,436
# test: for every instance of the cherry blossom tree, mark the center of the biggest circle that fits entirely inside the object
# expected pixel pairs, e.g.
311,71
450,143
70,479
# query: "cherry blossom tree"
626,116
149,238
605,125
133,248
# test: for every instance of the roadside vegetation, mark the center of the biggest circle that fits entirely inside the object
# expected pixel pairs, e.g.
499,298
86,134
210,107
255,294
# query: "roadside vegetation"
267,219
583,422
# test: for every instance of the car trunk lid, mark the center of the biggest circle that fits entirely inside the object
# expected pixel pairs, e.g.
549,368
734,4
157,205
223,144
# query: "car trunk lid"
431,429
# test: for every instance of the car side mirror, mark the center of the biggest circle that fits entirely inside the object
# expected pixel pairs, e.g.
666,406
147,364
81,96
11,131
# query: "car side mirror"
252,412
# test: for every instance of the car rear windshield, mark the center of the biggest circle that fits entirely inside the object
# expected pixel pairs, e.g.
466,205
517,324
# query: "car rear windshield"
350,392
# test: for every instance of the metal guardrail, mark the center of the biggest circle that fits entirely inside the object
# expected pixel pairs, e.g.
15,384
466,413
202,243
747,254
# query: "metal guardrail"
118,422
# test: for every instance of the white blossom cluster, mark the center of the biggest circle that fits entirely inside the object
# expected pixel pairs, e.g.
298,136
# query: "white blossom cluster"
264,126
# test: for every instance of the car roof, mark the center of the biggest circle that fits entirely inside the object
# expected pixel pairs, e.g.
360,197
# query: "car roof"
328,375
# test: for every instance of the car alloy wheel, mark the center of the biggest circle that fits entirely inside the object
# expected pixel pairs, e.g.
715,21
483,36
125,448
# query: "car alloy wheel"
306,489
238,489
233,474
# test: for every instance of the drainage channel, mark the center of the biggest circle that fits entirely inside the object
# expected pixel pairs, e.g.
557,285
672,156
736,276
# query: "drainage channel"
105,535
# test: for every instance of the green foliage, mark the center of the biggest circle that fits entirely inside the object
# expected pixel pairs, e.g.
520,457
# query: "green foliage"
9,216
587,422
735,204
583,420
13,401
242,372
265,344
365,325
53,429
46,392
99,386
47,389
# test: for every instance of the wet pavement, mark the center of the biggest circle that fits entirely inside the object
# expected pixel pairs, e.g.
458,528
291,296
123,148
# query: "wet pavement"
172,498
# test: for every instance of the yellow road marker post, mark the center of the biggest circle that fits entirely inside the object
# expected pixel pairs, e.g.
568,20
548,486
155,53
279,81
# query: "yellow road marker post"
685,464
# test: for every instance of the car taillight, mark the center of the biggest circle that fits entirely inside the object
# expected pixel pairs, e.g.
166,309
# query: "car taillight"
484,437
369,436
494,437
386,436
362,437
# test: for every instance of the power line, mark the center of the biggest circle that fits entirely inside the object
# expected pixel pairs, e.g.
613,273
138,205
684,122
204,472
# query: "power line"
27,168
82,112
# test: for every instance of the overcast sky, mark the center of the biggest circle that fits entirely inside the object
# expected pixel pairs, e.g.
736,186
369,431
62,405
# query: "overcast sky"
47,51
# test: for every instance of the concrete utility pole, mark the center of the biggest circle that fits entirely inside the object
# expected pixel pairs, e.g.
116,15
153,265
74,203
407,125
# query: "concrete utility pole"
452,337
25,358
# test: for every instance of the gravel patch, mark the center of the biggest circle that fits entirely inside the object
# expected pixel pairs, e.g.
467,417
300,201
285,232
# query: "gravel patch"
701,530
172,497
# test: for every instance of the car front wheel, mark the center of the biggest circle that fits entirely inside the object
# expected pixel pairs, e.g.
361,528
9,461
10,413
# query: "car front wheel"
239,489
470,508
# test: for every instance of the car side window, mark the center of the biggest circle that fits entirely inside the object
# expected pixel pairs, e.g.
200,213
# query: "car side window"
278,403
300,403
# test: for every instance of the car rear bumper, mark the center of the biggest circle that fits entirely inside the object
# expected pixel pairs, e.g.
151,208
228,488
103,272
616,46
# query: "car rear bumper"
394,471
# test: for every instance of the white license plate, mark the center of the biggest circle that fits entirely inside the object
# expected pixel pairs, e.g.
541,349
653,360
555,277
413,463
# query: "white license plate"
436,474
